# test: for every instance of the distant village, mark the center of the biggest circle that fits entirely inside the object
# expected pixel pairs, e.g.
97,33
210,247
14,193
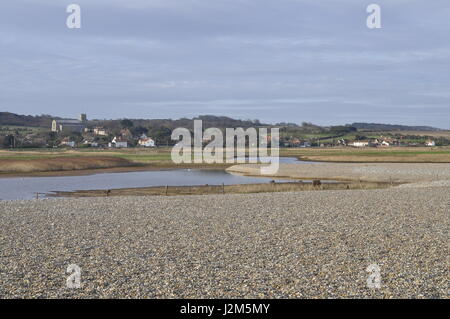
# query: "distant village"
97,136
49,132
124,138
375,142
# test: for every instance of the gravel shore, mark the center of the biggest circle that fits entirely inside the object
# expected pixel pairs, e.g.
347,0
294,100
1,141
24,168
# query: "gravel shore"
371,172
280,245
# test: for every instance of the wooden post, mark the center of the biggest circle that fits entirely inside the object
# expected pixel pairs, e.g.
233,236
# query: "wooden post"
167,189
37,195
223,188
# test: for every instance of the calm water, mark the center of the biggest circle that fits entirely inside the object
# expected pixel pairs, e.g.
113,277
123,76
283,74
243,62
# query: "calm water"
26,187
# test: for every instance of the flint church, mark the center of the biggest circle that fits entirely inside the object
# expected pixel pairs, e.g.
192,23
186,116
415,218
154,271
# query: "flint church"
71,125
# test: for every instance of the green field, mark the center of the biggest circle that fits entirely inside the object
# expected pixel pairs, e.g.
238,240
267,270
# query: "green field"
162,155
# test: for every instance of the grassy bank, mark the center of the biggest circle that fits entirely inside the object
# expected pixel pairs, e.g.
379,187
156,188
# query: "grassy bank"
221,189
48,162
61,164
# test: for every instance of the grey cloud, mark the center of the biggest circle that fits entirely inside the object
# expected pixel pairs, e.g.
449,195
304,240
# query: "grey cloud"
277,60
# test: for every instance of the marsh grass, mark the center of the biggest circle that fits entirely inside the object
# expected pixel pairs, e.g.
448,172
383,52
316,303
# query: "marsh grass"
223,189
60,164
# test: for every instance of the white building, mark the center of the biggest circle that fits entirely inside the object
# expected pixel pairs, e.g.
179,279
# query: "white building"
430,143
100,131
118,142
360,144
146,141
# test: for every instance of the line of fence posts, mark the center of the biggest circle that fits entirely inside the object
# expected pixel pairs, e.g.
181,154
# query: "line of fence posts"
166,189
315,183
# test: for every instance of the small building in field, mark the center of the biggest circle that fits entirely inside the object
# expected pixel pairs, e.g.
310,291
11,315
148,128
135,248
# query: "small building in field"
146,141
119,142
430,143
359,144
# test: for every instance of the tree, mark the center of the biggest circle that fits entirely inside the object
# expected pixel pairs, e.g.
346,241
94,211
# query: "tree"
139,130
52,139
9,141
163,135
126,123
359,137
340,129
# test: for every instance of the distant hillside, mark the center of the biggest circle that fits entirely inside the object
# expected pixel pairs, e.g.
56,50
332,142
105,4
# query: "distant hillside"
207,121
391,127
7,118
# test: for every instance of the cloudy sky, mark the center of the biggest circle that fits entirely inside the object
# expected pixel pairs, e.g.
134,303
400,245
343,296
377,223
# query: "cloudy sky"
275,60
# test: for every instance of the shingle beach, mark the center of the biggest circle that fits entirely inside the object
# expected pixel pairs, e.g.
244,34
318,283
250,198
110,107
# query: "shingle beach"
312,244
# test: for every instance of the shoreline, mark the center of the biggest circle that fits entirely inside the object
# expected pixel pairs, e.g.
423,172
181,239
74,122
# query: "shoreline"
309,158
119,169
364,172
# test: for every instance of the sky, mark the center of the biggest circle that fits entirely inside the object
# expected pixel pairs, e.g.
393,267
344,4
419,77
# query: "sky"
273,60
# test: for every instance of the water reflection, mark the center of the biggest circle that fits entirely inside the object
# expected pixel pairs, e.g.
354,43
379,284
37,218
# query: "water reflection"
26,188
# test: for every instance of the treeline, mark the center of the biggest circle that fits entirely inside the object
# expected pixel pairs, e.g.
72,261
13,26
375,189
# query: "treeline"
161,129
7,118
208,121
391,127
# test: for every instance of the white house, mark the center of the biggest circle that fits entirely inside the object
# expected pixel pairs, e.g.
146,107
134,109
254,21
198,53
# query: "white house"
146,141
119,142
360,144
100,131
430,143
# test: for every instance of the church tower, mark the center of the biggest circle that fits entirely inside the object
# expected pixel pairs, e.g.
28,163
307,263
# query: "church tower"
83,118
